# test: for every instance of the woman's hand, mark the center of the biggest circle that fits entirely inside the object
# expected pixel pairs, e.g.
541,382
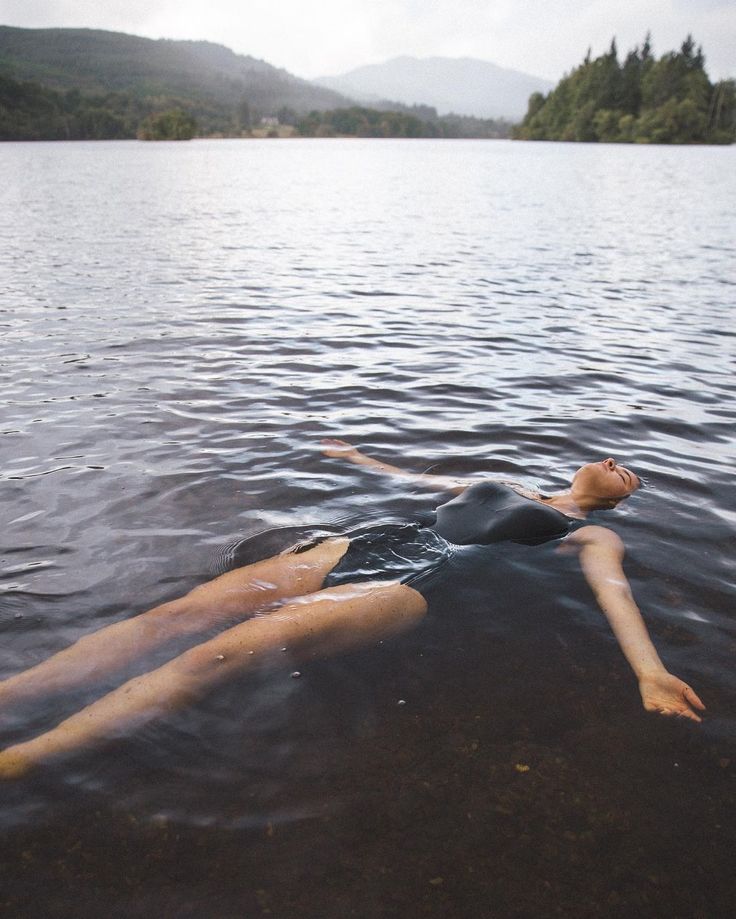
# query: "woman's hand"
668,695
338,449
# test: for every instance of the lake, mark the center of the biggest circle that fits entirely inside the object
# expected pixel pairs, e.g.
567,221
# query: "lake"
181,324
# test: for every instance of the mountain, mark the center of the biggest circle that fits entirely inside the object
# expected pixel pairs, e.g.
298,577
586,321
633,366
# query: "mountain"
465,86
209,79
86,84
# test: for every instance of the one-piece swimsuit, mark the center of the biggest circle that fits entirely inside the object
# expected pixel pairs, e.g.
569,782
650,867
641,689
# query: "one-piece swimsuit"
415,553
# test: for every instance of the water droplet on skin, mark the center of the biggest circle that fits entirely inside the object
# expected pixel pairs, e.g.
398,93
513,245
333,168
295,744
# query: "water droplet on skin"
220,657
401,702
283,649
295,675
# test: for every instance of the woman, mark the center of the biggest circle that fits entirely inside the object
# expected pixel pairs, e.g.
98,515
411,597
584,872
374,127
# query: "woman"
338,593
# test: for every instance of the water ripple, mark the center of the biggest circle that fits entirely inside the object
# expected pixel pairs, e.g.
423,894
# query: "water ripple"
175,342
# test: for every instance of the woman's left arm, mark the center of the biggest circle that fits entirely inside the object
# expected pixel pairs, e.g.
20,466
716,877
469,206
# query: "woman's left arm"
340,449
601,557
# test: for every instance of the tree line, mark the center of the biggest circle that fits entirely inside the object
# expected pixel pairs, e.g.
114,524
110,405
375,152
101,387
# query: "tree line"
30,111
642,99
422,121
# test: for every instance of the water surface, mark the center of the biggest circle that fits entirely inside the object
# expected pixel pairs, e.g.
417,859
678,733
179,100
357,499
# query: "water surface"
181,324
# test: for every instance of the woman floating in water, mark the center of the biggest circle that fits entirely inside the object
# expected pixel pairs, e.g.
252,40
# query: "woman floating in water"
338,593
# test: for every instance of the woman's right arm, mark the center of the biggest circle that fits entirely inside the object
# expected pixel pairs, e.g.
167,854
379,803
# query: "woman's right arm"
340,449
601,558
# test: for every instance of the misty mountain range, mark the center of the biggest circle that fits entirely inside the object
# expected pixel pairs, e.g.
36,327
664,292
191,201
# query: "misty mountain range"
464,86
210,77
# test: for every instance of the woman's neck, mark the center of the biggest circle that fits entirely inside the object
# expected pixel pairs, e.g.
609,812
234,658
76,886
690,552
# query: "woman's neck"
567,504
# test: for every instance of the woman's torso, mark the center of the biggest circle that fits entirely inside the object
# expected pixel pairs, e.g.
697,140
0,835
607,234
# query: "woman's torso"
490,512
416,553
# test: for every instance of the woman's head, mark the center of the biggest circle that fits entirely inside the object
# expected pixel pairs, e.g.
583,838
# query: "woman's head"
603,484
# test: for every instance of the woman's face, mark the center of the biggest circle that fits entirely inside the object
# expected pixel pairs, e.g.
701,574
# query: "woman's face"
605,480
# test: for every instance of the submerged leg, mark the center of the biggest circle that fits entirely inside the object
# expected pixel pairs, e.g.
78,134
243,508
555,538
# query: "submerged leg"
333,620
235,594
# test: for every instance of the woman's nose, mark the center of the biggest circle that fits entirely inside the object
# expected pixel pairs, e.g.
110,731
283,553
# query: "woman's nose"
610,463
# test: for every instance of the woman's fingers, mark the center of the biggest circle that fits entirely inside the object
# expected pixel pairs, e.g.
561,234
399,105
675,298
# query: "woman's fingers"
334,442
677,711
671,697
687,713
692,697
333,446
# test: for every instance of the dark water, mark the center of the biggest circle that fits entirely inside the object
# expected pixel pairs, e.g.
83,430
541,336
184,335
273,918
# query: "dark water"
180,326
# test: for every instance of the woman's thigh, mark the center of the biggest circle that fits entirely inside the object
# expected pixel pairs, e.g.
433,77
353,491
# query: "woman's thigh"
327,622
271,580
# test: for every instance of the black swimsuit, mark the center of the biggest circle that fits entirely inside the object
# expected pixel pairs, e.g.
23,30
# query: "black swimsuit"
413,553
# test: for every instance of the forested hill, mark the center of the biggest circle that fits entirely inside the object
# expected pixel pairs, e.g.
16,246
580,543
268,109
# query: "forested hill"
82,84
209,80
639,100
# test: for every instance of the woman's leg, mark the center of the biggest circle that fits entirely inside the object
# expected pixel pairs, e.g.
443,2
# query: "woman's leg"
333,620
232,595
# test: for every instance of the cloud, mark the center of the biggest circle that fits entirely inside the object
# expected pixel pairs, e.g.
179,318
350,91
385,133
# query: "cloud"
105,14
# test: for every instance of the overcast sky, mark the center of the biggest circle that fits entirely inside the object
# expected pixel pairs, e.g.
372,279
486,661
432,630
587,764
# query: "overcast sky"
322,37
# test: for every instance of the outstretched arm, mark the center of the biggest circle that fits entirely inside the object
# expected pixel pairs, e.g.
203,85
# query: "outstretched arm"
601,557
340,449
